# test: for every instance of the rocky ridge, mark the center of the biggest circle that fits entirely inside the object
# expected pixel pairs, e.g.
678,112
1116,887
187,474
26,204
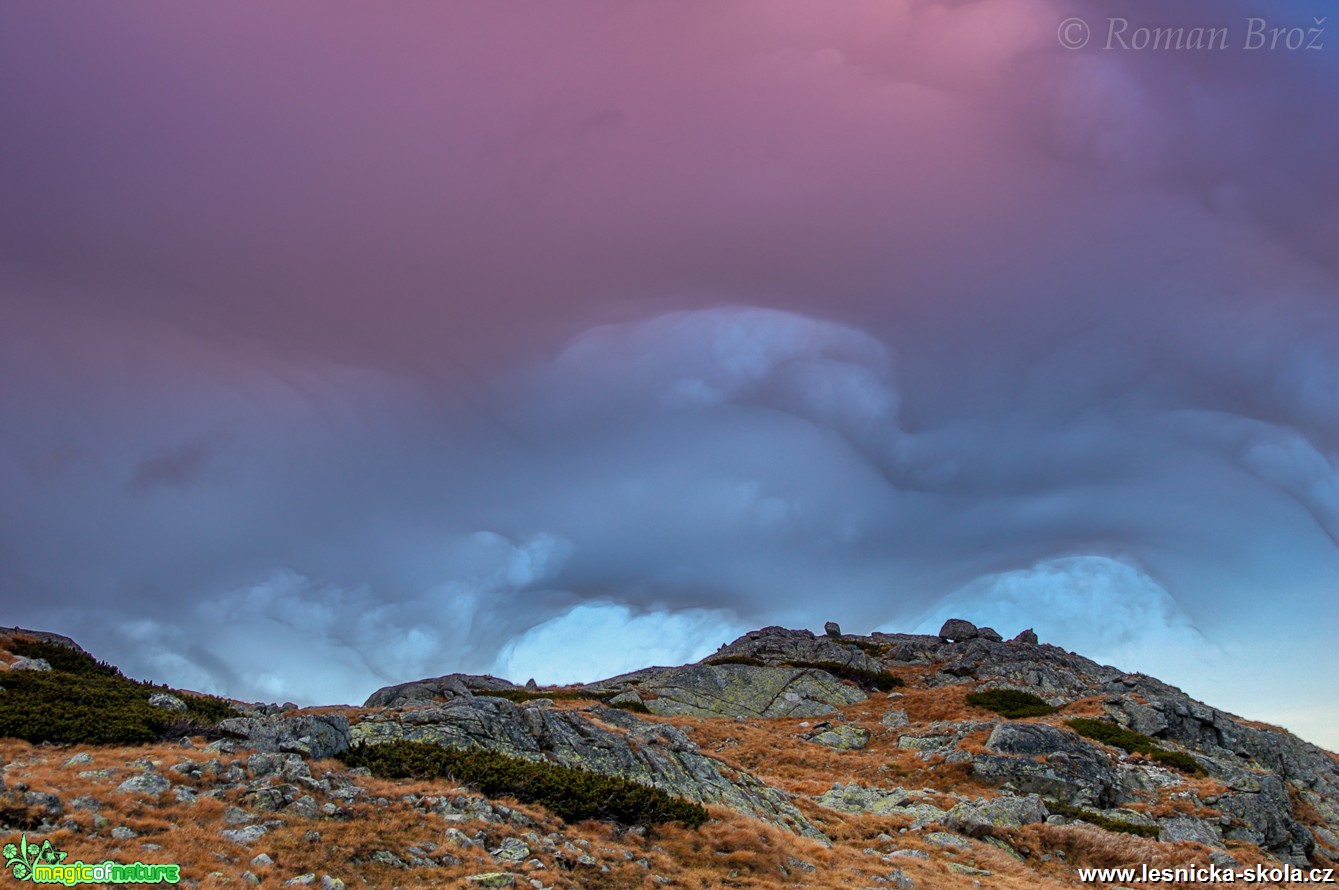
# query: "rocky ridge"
780,727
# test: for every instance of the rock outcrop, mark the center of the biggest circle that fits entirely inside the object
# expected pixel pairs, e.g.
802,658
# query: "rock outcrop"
602,740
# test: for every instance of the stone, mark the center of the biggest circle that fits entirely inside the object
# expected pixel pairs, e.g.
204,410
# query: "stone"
738,690
311,735
48,803
248,835
512,850
30,664
167,701
1188,828
983,816
895,719
989,633
145,783
493,880
957,630
1028,636
832,629
122,833
847,737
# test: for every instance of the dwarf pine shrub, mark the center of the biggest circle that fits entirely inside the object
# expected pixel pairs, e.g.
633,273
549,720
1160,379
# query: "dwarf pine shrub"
1011,703
572,794
85,701
1134,743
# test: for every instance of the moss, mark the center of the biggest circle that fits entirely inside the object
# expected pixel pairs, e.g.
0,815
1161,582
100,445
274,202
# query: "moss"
85,701
1103,822
572,794
1011,703
1134,742
879,681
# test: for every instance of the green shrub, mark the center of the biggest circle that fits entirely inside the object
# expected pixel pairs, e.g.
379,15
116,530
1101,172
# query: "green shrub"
1011,703
748,660
63,658
868,648
1104,822
85,701
1133,742
879,681
572,794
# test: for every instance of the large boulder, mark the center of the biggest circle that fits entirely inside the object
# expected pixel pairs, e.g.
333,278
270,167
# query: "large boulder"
311,735
739,690
956,630
436,689
778,646
602,740
832,629
1036,758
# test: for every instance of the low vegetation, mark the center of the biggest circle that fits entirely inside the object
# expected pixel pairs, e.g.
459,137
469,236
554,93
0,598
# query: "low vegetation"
520,695
572,794
748,660
1134,743
1011,703
870,681
83,700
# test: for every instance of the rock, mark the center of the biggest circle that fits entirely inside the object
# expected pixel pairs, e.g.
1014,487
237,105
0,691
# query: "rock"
1042,759
30,664
957,630
512,850
737,690
620,744
982,816
847,737
262,860
145,783
1188,828
1028,636
491,880
832,629
329,883
167,701
83,758
312,735
48,803
990,633
779,647
895,719
301,880
248,835
437,689
629,697
122,833
531,684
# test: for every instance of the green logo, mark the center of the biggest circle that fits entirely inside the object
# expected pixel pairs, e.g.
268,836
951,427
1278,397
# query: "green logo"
44,864
22,857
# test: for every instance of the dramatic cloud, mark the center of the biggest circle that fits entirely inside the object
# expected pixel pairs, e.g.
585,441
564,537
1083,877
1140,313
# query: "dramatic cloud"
346,346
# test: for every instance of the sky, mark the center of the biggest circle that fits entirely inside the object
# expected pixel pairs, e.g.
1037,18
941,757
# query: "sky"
346,344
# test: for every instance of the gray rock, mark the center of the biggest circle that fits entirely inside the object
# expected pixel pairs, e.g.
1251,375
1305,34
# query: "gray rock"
1188,828
312,735
248,835
48,803
847,737
895,719
990,633
981,816
512,850
30,664
167,701
832,629
619,744
122,833
1041,759
779,647
1028,636
145,783
436,689
957,630
492,880
738,690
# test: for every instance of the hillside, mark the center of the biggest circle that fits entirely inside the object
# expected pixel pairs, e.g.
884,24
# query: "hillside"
784,759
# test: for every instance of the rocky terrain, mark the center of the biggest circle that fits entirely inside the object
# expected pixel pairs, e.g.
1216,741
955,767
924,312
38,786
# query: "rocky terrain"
886,760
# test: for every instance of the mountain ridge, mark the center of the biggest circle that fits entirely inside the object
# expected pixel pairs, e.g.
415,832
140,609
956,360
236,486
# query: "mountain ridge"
960,746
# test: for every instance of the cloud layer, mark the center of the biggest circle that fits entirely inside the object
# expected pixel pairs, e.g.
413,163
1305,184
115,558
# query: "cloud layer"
343,348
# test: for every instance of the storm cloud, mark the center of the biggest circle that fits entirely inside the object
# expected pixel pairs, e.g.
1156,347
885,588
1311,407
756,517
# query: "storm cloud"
346,346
